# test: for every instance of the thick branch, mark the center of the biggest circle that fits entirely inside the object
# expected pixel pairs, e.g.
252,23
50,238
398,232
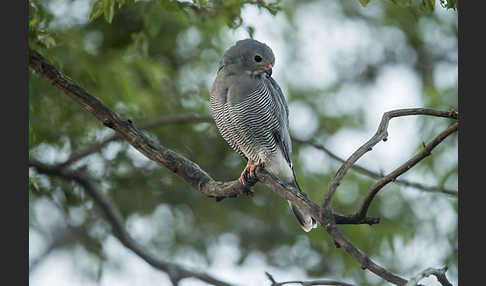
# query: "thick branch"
178,119
187,170
114,217
438,273
403,168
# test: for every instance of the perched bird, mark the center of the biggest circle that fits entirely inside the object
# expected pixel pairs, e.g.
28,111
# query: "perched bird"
251,114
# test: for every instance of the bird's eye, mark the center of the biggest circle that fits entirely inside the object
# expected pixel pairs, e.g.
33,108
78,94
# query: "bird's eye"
258,58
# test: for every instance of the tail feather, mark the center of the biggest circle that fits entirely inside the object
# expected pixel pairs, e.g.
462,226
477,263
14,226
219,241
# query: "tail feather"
306,221
283,170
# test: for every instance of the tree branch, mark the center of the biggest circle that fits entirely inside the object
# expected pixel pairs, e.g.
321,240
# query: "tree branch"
402,169
177,119
326,208
374,174
328,222
114,217
187,170
381,134
438,273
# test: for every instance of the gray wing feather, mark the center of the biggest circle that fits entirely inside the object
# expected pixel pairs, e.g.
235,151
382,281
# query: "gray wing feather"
260,113
283,117
220,111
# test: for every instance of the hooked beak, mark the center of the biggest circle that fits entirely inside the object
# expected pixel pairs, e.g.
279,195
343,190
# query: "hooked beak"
268,69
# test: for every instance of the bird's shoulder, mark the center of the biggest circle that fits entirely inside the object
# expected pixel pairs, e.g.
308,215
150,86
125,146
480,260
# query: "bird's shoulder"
277,95
234,88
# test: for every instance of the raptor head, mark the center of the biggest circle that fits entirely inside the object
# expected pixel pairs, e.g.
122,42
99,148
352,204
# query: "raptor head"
249,56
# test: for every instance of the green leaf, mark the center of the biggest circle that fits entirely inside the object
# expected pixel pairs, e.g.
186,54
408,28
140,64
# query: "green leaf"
48,41
33,22
452,4
364,2
33,184
96,11
202,3
251,31
109,9
427,6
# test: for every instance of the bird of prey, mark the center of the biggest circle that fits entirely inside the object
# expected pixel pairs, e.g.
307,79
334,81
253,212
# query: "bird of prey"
251,114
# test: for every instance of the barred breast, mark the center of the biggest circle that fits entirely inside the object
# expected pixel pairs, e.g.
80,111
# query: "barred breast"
220,111
248,126
255,123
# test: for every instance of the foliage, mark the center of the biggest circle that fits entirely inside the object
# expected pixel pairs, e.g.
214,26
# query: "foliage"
147,59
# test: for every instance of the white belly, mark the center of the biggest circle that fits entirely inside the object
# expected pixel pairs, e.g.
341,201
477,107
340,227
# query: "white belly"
276,165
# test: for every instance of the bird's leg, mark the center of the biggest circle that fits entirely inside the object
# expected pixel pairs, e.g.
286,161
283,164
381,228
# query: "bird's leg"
246,169
253,166
250,167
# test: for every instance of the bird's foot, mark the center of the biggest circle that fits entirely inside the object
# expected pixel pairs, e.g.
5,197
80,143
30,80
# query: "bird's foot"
250,168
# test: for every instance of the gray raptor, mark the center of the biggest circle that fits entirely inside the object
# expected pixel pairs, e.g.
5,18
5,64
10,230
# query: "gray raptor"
251,114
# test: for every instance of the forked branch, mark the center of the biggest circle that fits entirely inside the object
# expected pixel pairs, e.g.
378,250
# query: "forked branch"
326,209
374,174
438,273
381,134
402,169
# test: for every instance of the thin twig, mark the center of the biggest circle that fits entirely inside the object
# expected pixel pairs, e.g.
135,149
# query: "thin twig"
113,216
374,174
381,134
402,169
438,273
